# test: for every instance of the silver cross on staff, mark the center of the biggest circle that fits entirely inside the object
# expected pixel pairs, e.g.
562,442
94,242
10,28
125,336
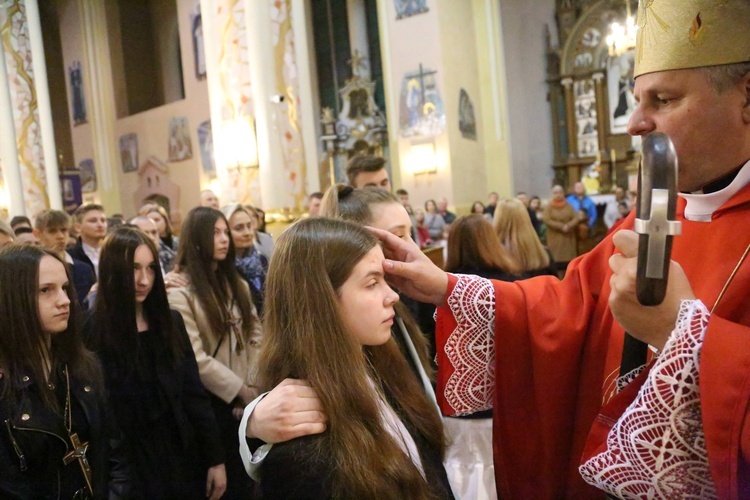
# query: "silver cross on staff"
79,453
655,214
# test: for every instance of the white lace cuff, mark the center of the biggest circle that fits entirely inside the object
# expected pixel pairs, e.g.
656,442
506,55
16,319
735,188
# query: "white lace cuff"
470,348
657,448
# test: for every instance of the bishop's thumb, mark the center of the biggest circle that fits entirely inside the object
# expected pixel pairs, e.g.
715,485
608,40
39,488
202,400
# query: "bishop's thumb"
626,242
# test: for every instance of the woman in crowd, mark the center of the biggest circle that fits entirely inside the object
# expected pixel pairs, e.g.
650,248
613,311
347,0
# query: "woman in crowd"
384,438
423,232
223,327
518,237
535,205
6,234
475,248
562,221
478,208
263,240
56,439
251,264
433,221
151,376
168,241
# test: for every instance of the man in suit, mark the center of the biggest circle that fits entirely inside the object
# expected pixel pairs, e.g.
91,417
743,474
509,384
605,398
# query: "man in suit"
91,224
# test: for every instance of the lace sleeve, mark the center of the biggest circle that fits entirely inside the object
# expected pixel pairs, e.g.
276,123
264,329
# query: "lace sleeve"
657,448
470,348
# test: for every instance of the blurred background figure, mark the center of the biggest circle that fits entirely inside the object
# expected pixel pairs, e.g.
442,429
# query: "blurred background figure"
313,203
20,221
561,220
518,237
209,199
25,236
442,209
433,221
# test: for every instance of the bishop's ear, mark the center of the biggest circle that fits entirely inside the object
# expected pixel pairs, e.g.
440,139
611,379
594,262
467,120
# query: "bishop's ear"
746,87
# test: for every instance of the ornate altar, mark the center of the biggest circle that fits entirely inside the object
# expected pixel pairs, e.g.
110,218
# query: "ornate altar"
590,93
359,126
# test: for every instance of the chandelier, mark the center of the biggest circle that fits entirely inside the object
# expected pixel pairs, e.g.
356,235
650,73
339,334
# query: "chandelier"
622,38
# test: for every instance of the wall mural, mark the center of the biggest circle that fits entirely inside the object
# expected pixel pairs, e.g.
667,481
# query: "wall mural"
236,91
77,98
206,146
180,146
88,175
129,152
408,8
199,50
421,110
467,123
620,84
18,60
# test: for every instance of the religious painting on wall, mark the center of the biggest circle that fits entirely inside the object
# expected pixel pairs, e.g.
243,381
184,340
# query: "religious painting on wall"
585,113
421,108
199,50
77,98
408,8
620,84
180,146
88,176
206,145
72,196
466,121
129,152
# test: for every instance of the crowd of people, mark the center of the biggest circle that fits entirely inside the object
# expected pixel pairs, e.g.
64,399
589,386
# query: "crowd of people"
141,360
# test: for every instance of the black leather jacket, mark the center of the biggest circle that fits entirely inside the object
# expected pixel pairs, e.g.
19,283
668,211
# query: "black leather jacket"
34,440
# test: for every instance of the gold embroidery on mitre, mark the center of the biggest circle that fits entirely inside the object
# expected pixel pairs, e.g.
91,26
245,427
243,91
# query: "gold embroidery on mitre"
697,31
682,34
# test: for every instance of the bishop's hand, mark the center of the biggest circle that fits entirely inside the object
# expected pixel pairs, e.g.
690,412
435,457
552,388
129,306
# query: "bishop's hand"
650,324
411,271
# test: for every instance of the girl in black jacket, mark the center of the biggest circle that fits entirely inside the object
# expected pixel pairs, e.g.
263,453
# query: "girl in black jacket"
56,440
151,375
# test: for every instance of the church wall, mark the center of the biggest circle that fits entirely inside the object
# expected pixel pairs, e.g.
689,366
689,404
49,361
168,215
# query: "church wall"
152,126
407,43
530,121
460,59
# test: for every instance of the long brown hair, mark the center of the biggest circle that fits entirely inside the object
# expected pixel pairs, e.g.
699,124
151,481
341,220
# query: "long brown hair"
24,346
474,244
305,338
215,289
513,226
356,205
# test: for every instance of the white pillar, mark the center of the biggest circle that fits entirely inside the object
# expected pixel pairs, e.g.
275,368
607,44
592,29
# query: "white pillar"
98,71
357,17
310,113
44,108
273,185
8,149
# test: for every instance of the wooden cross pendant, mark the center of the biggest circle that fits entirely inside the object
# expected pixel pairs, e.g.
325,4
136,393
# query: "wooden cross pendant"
79,453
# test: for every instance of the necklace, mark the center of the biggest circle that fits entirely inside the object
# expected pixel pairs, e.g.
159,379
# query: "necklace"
79,447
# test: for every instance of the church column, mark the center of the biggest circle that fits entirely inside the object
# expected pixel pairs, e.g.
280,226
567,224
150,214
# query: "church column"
358,41
274,72
41,86
601,109
310,114
24,165
9,165
567,84
102,117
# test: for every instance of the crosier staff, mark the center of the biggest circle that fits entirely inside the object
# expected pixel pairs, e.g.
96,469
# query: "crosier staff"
655,223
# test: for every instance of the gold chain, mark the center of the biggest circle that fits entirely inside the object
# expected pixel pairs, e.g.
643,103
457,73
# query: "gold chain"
731,277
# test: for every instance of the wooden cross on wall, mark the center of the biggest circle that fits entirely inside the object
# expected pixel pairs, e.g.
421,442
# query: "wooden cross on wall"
79,453
421,75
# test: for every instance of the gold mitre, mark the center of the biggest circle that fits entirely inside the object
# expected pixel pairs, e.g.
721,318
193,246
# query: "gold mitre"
680,34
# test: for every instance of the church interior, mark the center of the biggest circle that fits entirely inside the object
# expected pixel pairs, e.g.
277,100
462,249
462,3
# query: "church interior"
121,101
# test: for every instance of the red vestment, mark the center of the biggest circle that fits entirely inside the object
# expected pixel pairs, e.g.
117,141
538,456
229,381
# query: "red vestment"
557,351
